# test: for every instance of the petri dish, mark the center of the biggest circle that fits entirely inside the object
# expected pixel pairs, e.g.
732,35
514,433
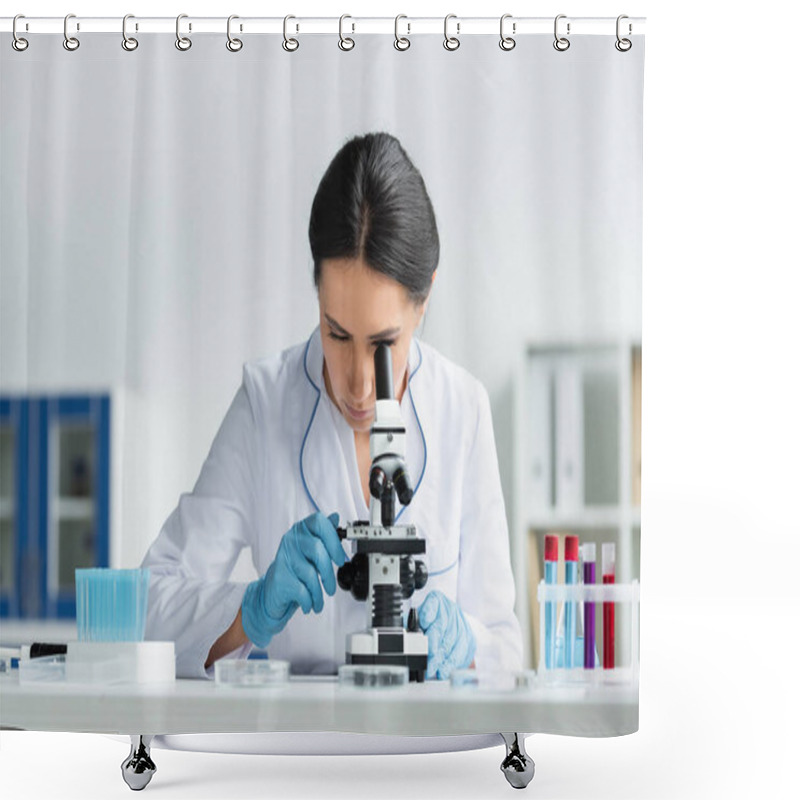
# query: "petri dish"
373,676
45,669
251,672
527,679
483,680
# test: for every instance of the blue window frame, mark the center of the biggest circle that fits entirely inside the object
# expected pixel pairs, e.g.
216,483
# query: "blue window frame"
13,501
60,510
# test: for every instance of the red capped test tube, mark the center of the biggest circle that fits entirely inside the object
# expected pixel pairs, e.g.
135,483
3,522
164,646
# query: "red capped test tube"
609,568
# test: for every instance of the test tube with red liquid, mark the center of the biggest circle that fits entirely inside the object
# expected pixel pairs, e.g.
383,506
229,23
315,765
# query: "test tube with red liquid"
609,563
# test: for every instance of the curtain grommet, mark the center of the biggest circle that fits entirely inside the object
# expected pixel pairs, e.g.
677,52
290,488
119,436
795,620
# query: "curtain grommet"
451,43
507,42
289,44
345,42
233,45
70,42
129,43
17,42
401,42
561,43
183,43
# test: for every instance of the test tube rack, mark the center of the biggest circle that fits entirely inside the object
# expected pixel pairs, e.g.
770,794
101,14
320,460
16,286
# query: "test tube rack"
625,597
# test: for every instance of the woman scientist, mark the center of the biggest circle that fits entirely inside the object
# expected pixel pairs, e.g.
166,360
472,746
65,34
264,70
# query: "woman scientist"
291,458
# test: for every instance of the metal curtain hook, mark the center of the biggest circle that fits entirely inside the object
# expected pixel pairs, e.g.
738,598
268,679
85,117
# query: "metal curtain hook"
506,42
623,45
289,45
182,42
451,42
561,43
401,43
18,43
346,43
128,42
234,45
70,42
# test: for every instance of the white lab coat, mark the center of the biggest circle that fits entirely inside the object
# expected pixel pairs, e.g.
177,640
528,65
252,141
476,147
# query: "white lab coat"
284,451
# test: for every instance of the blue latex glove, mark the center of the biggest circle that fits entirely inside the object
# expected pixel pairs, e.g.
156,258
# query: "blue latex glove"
451,643
292,580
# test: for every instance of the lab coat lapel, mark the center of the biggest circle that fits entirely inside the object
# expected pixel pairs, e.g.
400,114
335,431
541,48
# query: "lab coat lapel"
323,466
414,408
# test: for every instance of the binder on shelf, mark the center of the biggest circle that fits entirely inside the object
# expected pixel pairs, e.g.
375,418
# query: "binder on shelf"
636,424
569,435
538,455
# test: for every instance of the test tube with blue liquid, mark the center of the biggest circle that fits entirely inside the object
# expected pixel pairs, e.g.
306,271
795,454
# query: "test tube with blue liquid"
550,608
570,607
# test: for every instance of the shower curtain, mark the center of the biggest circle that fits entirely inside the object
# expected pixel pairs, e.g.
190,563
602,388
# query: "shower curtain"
155,217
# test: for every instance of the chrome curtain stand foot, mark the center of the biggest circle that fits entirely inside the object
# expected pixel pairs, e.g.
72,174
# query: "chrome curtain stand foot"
517,766
138,768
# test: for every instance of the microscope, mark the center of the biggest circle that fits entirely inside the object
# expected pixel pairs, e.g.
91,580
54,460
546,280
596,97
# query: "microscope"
383,572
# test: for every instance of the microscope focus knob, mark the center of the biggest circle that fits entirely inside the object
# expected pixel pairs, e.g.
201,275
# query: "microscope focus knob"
420,574
345,576
353,576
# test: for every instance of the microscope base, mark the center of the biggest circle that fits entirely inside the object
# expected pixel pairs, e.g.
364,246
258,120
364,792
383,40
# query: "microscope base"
417,665
395,646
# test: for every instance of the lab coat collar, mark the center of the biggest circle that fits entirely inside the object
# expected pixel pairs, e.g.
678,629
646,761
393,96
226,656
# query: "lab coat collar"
319,437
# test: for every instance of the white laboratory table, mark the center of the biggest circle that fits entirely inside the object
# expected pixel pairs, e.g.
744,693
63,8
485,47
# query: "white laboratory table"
318,704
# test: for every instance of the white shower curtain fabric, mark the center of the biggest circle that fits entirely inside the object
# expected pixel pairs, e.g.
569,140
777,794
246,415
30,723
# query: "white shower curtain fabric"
155,223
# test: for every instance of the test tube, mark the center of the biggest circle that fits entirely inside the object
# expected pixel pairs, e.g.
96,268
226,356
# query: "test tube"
550,578
570,607
609,563
589,558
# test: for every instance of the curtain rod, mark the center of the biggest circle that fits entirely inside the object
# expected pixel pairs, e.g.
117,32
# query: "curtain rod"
408,26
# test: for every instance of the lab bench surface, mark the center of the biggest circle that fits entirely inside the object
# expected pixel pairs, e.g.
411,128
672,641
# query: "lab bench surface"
317,703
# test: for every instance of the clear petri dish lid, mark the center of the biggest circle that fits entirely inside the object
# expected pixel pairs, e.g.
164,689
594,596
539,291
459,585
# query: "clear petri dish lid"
483,680
45,669
527,679
373,676
251,672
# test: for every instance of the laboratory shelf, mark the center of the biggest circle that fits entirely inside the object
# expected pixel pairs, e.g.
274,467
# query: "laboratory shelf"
601,517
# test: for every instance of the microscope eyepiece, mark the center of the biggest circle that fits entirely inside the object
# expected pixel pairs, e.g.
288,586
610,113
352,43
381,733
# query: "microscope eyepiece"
383,373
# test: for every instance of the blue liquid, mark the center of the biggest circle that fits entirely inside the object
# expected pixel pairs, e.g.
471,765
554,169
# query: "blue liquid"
570,615
577,653
550,577
111,604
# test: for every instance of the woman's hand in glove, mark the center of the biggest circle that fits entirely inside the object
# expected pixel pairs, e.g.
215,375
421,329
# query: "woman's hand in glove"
451,643
304,557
